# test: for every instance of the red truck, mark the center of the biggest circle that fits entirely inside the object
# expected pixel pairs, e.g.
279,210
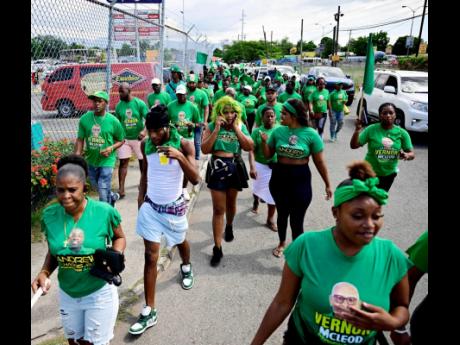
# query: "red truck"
67,88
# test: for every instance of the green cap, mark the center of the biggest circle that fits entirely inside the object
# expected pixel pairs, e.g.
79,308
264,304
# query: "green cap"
311,78
175,68
338,82
192,78
100,94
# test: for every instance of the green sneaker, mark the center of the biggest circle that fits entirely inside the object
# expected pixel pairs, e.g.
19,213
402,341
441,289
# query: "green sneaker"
187,278
147,318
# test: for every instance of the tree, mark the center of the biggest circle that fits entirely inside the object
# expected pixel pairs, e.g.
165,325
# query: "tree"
380,39
359,45
218,53
46,46
306,46
126,50
285,46
328,47
244,51
399,48
74,45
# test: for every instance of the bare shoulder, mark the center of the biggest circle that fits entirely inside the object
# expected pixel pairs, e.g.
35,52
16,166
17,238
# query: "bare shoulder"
186,146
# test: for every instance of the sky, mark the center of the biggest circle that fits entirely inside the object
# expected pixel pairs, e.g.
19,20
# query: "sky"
219,21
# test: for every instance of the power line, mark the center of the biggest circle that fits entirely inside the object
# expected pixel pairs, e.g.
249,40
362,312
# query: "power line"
373,26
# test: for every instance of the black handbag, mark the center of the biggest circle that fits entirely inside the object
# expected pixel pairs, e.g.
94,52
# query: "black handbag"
108,264
221,170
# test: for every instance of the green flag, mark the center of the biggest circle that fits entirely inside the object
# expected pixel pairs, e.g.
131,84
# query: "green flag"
247,80
368,83
201,58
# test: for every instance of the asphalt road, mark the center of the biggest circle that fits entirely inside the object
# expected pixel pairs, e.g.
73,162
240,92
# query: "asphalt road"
226,304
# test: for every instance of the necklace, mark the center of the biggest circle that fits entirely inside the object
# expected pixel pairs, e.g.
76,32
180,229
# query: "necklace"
66,239
96,123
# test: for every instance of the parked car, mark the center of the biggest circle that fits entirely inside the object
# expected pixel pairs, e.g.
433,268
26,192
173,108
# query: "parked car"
408,90
332,75
67,88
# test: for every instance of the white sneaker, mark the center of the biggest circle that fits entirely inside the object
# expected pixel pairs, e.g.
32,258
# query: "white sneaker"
186,195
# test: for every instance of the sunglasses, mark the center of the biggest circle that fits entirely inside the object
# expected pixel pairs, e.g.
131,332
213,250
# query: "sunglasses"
340,299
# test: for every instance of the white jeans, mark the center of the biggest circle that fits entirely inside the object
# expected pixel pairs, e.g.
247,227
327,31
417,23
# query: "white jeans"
91,317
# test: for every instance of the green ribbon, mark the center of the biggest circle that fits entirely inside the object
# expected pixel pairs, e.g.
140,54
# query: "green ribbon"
369,186
290,108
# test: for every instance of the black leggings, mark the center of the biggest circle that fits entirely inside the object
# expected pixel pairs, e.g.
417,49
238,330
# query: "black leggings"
290,186
251,118
385,182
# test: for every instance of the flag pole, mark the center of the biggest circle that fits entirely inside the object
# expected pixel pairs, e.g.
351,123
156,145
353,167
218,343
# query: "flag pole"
361,99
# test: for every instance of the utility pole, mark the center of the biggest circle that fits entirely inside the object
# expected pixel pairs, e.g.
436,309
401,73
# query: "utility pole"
333,44
337,19
421,28
348,45
271,42
242,25
265,39
301,40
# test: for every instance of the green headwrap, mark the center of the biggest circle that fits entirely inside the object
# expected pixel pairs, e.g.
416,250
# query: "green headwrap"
345,193
290,108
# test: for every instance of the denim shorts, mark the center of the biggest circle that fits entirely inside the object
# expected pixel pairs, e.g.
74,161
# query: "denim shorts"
91,317
151,225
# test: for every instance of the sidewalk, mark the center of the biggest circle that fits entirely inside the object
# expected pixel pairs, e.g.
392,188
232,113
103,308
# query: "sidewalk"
45,319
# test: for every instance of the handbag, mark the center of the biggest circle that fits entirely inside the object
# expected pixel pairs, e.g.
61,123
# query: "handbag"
221,170
108,264
346,110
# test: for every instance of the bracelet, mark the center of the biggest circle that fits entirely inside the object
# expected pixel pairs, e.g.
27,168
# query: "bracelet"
46,271
401,330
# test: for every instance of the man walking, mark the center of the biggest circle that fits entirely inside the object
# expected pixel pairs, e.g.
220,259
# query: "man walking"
157,96
131,112
103,135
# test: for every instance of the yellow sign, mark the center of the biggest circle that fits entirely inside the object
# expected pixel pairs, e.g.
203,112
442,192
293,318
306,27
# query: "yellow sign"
293,50
335,58
264,61
308,54
151,55
422,48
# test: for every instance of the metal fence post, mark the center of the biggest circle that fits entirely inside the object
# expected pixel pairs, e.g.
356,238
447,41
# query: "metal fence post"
162,37
108,74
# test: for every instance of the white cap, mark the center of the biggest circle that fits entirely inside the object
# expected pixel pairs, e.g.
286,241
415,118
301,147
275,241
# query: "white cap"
267,77
248,87
156,81
180,89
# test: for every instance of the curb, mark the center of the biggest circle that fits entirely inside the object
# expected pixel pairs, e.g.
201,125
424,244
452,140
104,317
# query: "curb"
166,255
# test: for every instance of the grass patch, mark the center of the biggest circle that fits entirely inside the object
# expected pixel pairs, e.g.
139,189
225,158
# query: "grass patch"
60,340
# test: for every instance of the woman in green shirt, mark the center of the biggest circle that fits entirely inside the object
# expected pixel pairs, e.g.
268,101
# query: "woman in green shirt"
343,283
290,185
75,228
224,138
260,167
386,143
319,105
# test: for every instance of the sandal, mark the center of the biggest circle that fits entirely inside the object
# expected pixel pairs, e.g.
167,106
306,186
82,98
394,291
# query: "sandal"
271,226
278,252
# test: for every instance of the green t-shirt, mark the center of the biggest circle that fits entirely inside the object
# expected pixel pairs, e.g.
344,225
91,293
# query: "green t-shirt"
258,151
383,147
160,98
285,96
208,94
181,114
338,99
319,100
236,86
295,142
278,107
218,95
100,132
244,116
307,90
132,115
418,252
97,222
200,99
250,102
227,141
316,259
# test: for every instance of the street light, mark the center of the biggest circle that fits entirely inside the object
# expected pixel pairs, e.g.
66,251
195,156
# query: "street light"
323,26
412,23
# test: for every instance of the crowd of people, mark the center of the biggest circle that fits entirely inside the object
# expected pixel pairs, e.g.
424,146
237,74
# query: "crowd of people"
340,285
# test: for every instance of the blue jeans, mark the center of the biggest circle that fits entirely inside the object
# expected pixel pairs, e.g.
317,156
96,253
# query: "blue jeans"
336,123
320,123
101,179
197,139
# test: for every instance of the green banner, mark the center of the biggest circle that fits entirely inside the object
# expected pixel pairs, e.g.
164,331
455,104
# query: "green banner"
368,83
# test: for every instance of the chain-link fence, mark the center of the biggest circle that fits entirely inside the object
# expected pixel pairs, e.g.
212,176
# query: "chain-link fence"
69,57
